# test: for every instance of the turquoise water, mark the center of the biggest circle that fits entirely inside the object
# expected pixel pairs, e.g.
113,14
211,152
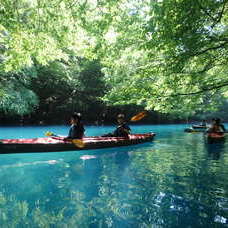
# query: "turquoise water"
177,180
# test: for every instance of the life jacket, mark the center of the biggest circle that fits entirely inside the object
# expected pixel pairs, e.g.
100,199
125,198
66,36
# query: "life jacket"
216,128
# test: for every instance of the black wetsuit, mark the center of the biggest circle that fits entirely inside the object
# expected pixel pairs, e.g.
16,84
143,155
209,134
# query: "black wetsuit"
76,131
121,131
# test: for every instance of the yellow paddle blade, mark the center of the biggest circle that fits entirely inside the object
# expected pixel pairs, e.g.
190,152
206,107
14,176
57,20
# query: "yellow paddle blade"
78,143
139,116
48,133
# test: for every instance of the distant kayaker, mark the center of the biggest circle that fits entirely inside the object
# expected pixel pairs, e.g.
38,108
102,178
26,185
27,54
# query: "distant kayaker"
216,126
122,129
204,123
212,122
77,129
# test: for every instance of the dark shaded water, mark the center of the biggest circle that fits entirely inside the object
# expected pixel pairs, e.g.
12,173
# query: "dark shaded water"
177,180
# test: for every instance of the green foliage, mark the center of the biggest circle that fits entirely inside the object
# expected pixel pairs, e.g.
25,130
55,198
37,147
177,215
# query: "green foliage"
183,54
41,32
63,88
18,100
170,56
16,95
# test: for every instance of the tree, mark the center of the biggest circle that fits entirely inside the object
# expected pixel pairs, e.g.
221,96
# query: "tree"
39,32
170,56
64,88
176,57
16,97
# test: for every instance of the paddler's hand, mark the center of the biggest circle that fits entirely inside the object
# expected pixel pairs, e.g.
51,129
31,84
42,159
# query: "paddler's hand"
66,139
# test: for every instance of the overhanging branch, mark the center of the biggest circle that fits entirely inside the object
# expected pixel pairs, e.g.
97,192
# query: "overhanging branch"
210,49
196,92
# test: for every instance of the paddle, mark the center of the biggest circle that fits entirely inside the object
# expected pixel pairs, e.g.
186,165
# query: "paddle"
139,116
49,133
77,142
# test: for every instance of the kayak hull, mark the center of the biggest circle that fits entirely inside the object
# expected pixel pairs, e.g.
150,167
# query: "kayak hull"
218,137
199,127
191,130
196,130
55,144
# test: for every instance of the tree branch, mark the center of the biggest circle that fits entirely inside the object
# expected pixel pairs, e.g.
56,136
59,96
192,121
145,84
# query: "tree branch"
205,11
220,14
210,48
200,91
203,90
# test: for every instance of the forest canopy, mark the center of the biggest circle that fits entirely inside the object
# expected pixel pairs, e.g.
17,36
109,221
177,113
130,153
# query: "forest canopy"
169,56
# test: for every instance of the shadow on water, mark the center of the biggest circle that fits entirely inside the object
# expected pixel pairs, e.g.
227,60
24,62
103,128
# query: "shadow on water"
122,159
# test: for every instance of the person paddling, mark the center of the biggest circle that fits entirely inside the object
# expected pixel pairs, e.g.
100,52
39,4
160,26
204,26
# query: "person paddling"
122,129
77,129
203,123
217,127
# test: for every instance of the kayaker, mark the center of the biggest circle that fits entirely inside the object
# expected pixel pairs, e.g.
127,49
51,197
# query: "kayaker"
203,124
216,127
122,129
77,129
212,122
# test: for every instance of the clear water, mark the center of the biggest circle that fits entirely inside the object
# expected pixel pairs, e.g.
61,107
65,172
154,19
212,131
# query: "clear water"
175,181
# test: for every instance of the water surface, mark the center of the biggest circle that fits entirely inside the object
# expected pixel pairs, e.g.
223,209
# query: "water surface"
177,180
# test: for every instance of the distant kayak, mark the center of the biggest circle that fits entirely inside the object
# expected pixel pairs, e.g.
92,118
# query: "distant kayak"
195,130
199,127
52,144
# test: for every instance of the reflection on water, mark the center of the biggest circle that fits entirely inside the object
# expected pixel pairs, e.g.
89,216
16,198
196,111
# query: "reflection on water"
176,181
215,149
51,162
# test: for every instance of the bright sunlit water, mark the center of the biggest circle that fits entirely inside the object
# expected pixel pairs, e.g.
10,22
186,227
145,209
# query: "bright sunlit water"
177,180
